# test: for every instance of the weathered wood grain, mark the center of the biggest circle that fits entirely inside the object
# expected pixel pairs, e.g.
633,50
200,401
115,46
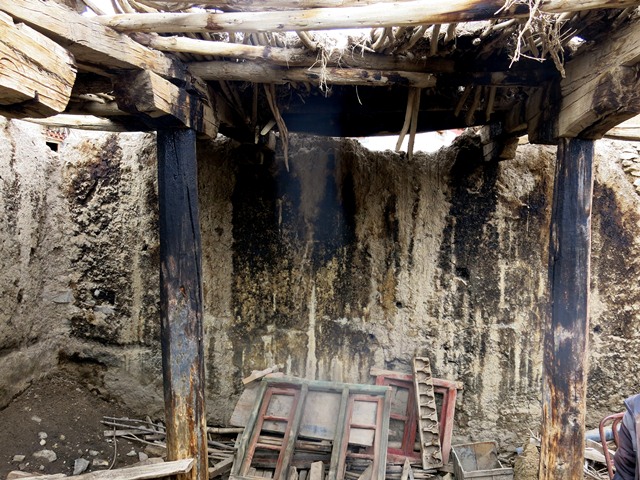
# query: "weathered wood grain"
89,41
566,333
36,74
252,71
601,85
144,92
181,329
412,13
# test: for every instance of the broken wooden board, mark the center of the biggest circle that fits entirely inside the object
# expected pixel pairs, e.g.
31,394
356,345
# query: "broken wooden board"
37,74
318,419
428,427
144,472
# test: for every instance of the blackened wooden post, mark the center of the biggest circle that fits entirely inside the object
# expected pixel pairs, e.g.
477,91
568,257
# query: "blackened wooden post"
567,330
181,300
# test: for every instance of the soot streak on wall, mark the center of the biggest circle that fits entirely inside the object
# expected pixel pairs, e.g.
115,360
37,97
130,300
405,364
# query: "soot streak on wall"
351,259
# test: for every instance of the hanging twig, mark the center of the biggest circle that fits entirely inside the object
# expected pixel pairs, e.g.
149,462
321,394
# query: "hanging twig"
468,120
270,92
490,102
463,99
414,122
407,119
435,33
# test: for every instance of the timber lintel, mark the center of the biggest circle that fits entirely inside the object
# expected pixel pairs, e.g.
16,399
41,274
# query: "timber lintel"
161,103
37,74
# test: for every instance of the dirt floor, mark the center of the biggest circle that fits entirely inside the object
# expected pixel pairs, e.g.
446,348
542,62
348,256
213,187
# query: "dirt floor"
61,417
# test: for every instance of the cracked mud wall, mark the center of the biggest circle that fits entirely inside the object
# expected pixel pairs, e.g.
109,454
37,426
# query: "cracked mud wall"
349,260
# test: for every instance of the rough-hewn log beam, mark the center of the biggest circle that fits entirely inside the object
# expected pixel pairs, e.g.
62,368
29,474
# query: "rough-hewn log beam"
417,12
254,72
294,57
567,331
36,74
89,41
600,90
181,300
83,122
144,92
267,5
629,130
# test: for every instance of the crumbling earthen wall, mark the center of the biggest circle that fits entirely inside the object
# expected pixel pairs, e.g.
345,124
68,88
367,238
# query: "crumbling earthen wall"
349,260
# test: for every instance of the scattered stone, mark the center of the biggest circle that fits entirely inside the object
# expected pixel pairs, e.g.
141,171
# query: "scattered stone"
48,455
18,458
142,456
23,466
99,462
62,437
43,442
93,453
80,465
41,468
132,453
155,450
43,435
36,419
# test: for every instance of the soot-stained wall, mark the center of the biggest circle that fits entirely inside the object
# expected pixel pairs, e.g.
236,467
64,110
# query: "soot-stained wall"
348,260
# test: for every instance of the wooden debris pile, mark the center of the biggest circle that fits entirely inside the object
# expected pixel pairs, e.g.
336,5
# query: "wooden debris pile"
316,430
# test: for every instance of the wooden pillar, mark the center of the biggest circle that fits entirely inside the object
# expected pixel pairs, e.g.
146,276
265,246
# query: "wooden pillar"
567,330
181,300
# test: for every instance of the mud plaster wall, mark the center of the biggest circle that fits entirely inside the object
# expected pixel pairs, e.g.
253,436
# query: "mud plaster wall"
349,260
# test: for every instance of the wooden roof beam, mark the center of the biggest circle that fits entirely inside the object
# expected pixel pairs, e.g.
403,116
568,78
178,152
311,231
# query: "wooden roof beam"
160,103
412,13
600,90
89,41
37,74
602,86
260,73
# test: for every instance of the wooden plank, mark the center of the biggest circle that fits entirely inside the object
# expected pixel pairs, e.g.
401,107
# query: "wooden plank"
316,472
412,13
256,375
89,41
37,74
144,92
339,435
144,472
408,377
566,333
181,329
292,435
84,122
263,73
428,427
252,419
221,468
601,85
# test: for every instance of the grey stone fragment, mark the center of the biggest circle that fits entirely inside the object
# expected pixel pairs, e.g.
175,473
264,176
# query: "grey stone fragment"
80,465
18,458
48,455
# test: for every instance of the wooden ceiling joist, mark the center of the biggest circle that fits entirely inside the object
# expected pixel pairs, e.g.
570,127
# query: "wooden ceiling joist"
295,57
36,74
89,41
254,72
412,13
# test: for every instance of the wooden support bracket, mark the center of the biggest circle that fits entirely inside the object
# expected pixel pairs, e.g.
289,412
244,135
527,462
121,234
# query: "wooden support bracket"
163,103
36,74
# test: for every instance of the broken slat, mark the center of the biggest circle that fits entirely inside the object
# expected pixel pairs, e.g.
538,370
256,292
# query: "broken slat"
221,468
339,435
317,471
428,427
255,375
37,74
144,472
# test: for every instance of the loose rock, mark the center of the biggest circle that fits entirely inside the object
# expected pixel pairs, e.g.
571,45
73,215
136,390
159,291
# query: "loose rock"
99,462
132,453
18,458
48,455
80,465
